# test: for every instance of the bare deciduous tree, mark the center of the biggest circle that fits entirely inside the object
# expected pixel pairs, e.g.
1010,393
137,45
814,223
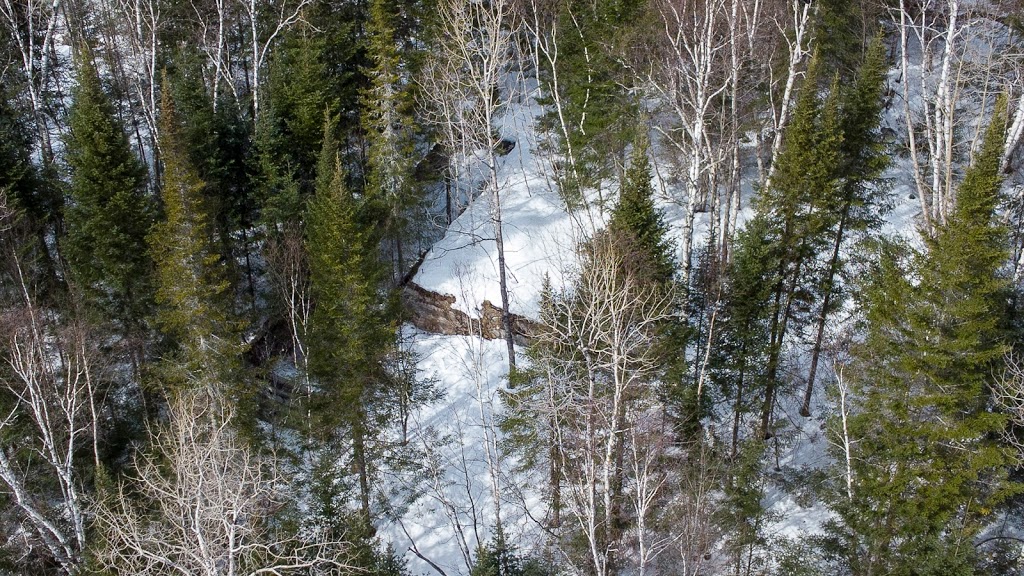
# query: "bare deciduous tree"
691,74
200,502
601,339
465,92
49,420
1008,393
134,28
950,61
260,23
288,269
32,26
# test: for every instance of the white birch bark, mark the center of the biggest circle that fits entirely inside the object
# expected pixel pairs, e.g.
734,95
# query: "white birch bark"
610,326
463,92
32,26
691,76
51,387
206,502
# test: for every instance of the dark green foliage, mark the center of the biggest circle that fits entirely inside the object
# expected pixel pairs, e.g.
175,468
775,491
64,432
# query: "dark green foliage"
388,122
300,96
352,326
599,115
18,176
278,189
193,311
635,216
499,558
863,154
789,231
351,331
742,348
109,211
927,468
319,67
742,513
843,29
217,141
34,193
862,198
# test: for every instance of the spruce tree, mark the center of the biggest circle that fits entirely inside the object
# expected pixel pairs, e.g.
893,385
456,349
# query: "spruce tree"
352,327
217,141
927,469
191,288
742,348
636,218
861,198
109,211
597,120
29,190
794,213
300,94
388,122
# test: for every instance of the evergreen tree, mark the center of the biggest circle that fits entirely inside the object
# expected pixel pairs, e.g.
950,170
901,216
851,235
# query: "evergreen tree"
190,281
27,189
277,187
300,95
217,142
742,348
109,211
927,469
352,327
862,199
17,174
388,122
794,213
799,201
636,217
843,31
597,119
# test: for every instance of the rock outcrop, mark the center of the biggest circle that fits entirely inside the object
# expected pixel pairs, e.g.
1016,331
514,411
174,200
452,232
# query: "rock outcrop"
433,312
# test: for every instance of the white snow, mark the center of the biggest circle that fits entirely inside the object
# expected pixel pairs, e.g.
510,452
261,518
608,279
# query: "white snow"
460,461
456,510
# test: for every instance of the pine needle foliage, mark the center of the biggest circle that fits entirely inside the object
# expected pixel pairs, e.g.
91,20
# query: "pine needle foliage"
927,469
635,216
388,122
109,211
191,288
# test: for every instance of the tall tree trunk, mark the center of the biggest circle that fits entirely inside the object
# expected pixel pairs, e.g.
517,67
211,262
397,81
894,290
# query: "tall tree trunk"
833,269
506,316
359,460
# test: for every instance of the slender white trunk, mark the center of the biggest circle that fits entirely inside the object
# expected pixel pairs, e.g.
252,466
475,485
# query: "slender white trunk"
1014,134
798,49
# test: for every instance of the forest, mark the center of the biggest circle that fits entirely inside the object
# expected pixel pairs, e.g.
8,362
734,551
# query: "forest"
512,287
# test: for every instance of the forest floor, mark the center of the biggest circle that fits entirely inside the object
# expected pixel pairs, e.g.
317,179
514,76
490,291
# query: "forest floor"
472,480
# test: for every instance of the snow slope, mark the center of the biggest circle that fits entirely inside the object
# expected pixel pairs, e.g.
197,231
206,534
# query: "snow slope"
464,463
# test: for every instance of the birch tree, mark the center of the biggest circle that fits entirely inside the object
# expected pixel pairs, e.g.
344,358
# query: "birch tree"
796,34
258,24
691,74
133,44
598,367
200,502
464,92
49,420
32,26
950,57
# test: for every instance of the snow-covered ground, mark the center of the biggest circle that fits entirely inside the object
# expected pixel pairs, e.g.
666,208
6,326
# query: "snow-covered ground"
468,481
463,465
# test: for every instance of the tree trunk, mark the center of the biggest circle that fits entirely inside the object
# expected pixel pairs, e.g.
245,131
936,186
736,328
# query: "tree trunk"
359,460
833,264
506,317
